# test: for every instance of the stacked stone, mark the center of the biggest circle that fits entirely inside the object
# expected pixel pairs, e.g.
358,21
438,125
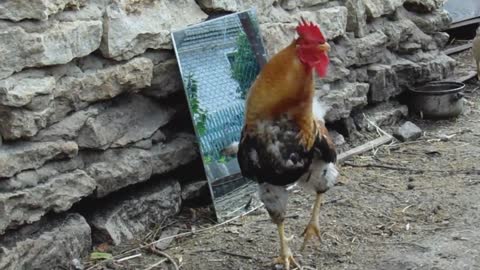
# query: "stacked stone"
87,104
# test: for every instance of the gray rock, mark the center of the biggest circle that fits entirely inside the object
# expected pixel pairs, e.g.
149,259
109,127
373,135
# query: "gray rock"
383,114
21,156
441,38
337,138
292,4
49,244
68,128
168,232
361,51
343,98
193,190
94,79
369,49
17,10
397,32
423,67
16,123
118,168
179,151
336,71
436,21
378,8
166,76
114,169
128,120
29,101
122,219
383,83
48,43
408,132
133,27
144,144
56,194
262,7
22,89
332,21
423,6
357,17
432,66
31,178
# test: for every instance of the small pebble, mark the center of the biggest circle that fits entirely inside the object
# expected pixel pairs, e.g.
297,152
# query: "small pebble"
411,179
410,186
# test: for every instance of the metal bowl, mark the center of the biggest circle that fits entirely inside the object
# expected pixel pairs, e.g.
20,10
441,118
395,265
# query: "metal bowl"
437,100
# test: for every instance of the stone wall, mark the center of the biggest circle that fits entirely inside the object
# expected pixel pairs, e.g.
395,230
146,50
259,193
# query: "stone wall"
92,109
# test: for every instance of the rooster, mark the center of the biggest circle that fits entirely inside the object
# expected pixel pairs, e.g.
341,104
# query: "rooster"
476,51
284,139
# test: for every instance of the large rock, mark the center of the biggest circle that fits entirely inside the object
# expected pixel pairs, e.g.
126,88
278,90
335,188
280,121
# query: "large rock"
121,219
357,17
28,44
31,100
408,132
292,4
21,156
423,6
56,194
383,114
383,83
26,88
422,67
343,98
33,177
114,169
332,22
438,20
17,10
173,154
18,123
166,75
68,128
49,244
378,8
129,119
403,35
133,27
361,51
262,7
94,79
118,168
336,71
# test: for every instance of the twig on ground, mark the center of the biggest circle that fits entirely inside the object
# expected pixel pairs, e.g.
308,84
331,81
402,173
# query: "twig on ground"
237,255
155,264
161,253
129,257
377,128
364,148
389,167
175,236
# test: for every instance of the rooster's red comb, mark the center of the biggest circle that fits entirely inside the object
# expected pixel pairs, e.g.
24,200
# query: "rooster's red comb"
310,32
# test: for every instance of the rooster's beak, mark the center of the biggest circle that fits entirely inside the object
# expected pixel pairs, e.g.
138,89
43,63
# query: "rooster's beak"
324,47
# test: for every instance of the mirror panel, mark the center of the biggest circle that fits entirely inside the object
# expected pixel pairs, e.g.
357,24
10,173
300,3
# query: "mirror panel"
219,59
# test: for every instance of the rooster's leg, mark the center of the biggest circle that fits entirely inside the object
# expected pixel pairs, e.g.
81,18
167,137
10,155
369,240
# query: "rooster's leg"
313,227
478,70
286,256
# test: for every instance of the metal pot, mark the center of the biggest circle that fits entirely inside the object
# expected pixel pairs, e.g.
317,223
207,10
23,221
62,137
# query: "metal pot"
437,100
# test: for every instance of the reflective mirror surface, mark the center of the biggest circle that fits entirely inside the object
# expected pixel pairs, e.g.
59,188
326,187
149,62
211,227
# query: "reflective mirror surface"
219,59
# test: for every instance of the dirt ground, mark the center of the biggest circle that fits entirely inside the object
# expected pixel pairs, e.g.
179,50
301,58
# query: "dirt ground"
413,205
